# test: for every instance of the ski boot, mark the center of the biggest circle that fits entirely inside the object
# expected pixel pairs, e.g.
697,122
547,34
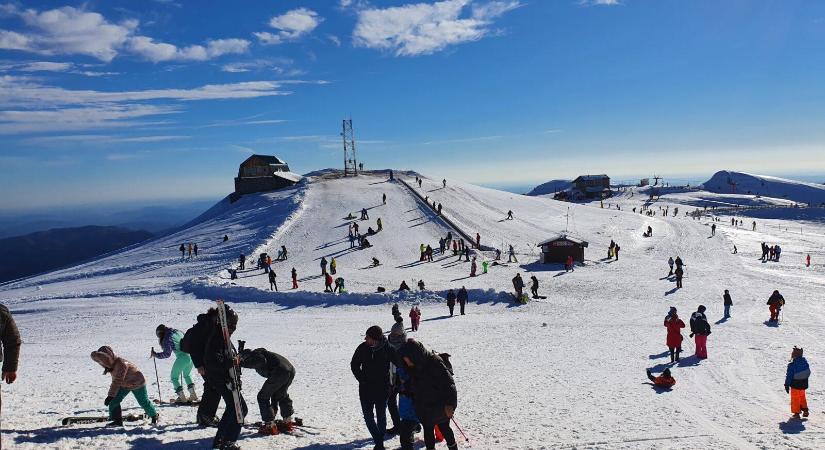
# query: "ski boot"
286,425
155,419
117,418
193,396
805,412
181,396
269,428
207,422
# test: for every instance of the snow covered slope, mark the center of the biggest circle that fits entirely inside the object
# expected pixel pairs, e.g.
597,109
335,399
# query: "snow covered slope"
745,183
550,187
563,372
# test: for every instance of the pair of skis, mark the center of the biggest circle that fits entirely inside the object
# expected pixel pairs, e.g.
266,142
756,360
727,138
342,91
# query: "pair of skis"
234,383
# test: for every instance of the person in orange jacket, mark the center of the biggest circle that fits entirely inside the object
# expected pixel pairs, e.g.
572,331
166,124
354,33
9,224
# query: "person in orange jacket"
664,380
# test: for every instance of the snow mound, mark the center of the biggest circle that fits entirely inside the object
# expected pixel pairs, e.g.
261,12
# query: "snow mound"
727,182
551,187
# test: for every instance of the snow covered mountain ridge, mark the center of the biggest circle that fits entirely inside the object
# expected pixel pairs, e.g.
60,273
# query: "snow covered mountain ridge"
730,182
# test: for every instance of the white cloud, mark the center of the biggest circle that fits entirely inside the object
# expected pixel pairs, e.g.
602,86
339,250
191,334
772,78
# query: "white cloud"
600,2
76,118
334,39
98,139
425,28
280,66
46,66
73,31
291,26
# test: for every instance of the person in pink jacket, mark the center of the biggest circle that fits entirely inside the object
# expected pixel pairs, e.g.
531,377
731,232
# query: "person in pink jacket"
126,378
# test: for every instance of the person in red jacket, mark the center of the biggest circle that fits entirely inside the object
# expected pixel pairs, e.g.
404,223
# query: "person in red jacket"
674,326
664,380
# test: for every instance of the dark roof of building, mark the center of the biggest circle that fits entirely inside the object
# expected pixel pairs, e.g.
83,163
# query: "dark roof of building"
269,159
590,177
564,237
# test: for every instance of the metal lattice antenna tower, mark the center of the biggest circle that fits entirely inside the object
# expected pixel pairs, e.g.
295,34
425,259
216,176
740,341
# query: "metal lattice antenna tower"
656,179
350,163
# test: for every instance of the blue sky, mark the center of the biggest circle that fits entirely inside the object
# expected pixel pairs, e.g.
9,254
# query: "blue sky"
118,100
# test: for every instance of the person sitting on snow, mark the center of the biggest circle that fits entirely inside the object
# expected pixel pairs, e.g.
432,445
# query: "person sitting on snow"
664,380
375,262
403,286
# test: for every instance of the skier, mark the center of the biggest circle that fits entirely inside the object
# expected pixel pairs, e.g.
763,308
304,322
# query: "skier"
451,301
370,365
339,285
182,251
364,215
796,382
268,266
351,240
700,330
433,390
777,251
272,281
670,264
534,286
478,240
333,265
169,340
126,378
510,215
664,380
679,274
441,245
498,254
713,230
415,317
462,298
294,279
473,267
466,254
375,262
674,334
728,302
518,284
195,249
735,250
512,255
568,265
776,301
455,248
428,252
616,252
754,225
679,262
274,394
242,261
439,209
217,360
328,282
384,198
323,265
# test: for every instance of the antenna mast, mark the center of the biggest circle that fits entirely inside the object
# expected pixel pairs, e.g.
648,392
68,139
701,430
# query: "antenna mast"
350,163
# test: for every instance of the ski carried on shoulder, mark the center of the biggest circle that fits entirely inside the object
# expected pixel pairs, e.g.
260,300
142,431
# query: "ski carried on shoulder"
234,383
78,420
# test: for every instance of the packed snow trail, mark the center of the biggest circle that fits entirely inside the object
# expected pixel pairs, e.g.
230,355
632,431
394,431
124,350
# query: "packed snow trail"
565,372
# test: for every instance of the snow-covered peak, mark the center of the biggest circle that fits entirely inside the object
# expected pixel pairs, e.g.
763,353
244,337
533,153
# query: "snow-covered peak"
729,182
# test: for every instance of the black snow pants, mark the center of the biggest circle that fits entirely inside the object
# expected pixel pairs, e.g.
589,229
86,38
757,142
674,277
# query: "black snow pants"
273,394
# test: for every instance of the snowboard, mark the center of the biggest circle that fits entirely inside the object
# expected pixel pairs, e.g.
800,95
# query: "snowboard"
73,420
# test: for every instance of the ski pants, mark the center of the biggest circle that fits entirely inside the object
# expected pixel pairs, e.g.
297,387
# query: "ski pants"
798,401
182,367
228,428
273,394
774,309
142,398
727,310
452,307
701,345
376,421
392,407
444,428
461,306
209,401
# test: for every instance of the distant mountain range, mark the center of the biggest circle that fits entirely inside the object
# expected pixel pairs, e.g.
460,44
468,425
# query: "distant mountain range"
45,250
729,182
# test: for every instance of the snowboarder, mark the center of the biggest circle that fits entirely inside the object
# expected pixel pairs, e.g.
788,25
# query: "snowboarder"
126,378
511,254
242,261
294,279
462,298
333,265
451,297
473,267
169,340
273,283
674,334
328,282
518,284
323,265
534,286
775,303
670,264
679,274
384,198
664,380
796,382
339,285
433,390
182,251
700,330
274,394
728,302
415,317
370,365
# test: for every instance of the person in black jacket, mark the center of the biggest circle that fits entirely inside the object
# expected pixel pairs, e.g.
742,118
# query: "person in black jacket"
217,362
700,330
433,391
451,301
728,303
279,374
10,351
196,339
371,366
462,298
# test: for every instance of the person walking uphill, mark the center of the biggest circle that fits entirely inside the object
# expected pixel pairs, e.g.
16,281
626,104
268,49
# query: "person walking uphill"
274,394
700,330
796,382
674,327
370,365
169,339
126,378
433,390
10,351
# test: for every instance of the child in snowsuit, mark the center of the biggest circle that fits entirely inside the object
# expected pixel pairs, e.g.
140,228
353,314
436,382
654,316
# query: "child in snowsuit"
169,339
664,380
796,381
274,394
126,378
328,283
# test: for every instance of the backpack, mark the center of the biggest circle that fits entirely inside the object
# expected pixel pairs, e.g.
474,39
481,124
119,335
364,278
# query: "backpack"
187,341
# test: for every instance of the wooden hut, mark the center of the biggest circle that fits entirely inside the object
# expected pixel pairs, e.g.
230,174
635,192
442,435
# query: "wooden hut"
557,249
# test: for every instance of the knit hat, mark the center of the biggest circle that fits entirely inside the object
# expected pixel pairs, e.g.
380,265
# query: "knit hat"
702,308
375,332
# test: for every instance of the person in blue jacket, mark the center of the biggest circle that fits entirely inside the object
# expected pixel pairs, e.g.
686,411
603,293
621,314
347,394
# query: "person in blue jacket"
169,339
406,410
796,381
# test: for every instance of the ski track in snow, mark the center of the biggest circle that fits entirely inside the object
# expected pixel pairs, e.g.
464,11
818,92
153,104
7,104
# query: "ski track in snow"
577,382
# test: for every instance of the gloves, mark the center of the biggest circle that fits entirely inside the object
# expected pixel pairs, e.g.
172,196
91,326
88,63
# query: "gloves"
690,335
787,389
110,398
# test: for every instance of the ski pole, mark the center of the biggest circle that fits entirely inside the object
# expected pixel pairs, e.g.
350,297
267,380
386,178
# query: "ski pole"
155,361
459,429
